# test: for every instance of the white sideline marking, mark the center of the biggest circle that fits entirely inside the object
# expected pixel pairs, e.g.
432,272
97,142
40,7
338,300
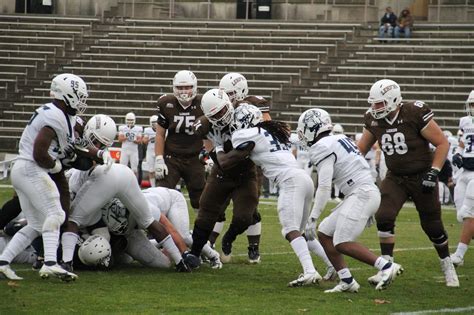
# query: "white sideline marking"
6,186
443,310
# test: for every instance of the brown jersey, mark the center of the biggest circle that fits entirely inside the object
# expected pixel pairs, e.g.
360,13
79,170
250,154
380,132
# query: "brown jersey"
406,151
221,139
260,102
179,121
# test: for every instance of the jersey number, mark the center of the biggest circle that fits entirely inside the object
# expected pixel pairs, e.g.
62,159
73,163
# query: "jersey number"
44,107
348,145
394,144
188,123
469,143
275,145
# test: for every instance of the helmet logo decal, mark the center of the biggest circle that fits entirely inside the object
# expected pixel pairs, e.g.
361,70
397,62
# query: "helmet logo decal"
388,88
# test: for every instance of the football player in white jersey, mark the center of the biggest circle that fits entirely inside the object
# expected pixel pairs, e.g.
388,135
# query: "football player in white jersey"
149,136
130,136
338,160
267,144
464,189
169,207
44,142
93,189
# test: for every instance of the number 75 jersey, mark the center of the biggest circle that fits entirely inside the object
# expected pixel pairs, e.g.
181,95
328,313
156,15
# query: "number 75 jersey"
406,151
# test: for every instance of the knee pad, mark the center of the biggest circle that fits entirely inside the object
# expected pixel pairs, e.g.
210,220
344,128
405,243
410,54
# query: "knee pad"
435,231
386,229
439,239
53,222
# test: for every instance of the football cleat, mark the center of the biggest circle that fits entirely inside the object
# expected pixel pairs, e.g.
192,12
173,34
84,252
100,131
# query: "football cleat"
344,287
182,267
57,271
191,260
449,271
67,266
215,262
8,273
457,260
226,252
331,274
305,279
375,279
388,275
254,255
37,264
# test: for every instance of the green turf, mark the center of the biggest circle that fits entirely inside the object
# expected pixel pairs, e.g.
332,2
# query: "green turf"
253,289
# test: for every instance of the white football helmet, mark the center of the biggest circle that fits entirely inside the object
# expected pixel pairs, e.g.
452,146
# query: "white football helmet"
116,216
95,251
447,133
235,86
153,121
246,116
217,107
337,129
311,124
384,98
70,89
470,104
185,78
130,119
100,128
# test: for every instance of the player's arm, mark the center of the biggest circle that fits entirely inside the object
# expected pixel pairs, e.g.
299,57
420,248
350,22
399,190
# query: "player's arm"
177,238
325,170
145,139
235,156
121,135
160,140
40,147
366,142
138,138
435,136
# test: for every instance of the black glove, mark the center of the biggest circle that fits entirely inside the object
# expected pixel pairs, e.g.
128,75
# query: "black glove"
457,160
429,180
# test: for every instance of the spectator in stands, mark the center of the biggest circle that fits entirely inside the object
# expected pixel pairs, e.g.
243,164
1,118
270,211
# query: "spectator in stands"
387,23
404,24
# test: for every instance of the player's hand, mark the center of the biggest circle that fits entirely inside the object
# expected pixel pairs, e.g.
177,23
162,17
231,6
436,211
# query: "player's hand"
108,160
161,170
56,168
429,180
457,160
310,228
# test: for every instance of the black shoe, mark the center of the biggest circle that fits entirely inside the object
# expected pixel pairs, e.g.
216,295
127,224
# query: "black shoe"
182,267
38,264
191,260
67,266
254,255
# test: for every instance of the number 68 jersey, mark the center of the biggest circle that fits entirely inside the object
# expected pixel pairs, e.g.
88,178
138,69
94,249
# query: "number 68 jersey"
406,151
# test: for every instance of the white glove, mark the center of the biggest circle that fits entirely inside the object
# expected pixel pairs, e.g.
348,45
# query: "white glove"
161,170
310,228
208,166
56,168
108,160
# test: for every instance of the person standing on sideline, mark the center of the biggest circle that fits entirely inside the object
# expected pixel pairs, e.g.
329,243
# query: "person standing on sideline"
130,136
404,132
149,136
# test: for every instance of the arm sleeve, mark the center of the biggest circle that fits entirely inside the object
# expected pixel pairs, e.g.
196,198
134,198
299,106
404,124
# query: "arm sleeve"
325,172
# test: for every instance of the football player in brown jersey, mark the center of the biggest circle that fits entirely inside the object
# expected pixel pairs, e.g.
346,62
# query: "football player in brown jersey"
176,146
236,87
404,132
238,183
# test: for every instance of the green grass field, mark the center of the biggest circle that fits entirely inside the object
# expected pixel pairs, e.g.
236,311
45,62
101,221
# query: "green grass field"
253,289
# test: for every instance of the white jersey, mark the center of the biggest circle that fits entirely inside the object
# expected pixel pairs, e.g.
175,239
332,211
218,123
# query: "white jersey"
131,133
160,200
151,135
466,124
274,157
302,154
350,169
51,116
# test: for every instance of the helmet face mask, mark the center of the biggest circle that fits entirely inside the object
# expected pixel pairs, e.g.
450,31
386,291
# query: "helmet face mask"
311,124
70,89
185,87
235,85
246,116
217,108
384,98
100,131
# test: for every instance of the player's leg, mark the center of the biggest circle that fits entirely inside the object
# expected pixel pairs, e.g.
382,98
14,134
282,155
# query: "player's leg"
195,178
464,197
142,250
134,162
10,210
150,160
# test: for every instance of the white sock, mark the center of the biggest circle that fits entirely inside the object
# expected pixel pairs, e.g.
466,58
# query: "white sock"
381,262
171,248
315,247
218,227
208,252
461,250
153,182
68,242
17,244
301,250
344,273
50,245
255,229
